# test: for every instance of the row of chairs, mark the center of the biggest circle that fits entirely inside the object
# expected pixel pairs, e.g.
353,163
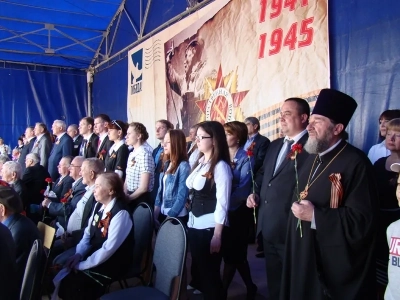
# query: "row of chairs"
166,271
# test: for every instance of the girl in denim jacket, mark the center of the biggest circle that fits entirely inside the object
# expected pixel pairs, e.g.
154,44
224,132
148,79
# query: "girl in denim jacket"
173,192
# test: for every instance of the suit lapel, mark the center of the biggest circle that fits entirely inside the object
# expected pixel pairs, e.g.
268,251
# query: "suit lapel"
286,160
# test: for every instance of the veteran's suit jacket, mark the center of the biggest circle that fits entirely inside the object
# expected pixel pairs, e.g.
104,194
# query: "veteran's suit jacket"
56,209
277,191
60,149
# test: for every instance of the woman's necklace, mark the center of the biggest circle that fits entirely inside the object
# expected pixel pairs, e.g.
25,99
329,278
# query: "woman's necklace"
304,193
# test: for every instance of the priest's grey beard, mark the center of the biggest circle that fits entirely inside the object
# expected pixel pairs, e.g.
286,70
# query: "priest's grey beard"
318,145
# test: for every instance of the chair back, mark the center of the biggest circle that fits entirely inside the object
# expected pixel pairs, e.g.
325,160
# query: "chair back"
169,257
31,283
143,223
47,234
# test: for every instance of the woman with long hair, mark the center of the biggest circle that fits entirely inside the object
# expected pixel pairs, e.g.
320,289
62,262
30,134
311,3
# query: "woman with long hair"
235,240
140,168
105,249
210,183
117,157
173,192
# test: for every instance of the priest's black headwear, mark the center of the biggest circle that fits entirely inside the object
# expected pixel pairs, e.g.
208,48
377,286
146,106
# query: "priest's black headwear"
335,105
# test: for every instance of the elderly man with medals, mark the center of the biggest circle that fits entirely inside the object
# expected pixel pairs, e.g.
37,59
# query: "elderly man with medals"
329,244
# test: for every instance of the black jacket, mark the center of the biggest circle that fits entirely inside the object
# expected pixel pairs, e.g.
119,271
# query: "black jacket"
34,179
76,145
259,150
277,191
8,284
24,233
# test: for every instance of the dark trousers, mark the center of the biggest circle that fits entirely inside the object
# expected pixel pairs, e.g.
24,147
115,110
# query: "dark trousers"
274,265
208,265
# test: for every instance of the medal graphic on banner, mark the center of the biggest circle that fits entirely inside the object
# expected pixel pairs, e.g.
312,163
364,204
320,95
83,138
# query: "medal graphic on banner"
222,101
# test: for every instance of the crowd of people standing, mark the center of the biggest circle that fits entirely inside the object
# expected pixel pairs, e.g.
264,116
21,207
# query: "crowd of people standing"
320,223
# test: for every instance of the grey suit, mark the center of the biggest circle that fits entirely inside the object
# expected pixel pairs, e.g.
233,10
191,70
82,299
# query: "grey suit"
24,233
42,147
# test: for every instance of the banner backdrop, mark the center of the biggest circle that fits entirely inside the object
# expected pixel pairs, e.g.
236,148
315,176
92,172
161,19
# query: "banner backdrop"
231,60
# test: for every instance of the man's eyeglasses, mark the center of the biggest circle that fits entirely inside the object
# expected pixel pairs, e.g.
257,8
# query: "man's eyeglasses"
200,137
114,122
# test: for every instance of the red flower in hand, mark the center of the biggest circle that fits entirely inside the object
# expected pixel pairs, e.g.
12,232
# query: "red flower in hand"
296,149
48,180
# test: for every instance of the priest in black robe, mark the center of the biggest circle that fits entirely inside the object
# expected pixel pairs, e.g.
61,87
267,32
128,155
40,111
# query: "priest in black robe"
331,255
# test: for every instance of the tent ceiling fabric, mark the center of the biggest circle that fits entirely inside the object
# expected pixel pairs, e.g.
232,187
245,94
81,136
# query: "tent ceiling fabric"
70,33
63,32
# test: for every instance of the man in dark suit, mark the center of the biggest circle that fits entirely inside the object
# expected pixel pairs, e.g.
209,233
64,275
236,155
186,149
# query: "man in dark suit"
90,142
23,230
60,210
258,143
8,283
276,181
61,148
34,178
30,141
77,139
63,184
100,128
43,144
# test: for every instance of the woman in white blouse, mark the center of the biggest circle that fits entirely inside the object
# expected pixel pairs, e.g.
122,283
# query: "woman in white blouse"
105,250
210,184
140,169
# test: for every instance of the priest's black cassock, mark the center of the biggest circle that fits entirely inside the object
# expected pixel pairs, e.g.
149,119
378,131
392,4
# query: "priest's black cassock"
335,260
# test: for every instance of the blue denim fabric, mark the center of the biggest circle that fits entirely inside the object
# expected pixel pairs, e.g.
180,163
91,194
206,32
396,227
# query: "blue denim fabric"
241,181
176,191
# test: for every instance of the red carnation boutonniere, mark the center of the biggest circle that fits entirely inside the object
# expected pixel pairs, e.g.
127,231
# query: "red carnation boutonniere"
101,154
104,224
